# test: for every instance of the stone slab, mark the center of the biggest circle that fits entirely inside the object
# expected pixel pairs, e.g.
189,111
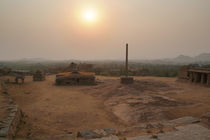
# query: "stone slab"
185,120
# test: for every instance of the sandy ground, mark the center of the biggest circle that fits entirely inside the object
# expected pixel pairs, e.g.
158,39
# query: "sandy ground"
54,110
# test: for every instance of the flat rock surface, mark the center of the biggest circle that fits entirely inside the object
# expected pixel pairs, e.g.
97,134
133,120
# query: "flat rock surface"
184,120
188,132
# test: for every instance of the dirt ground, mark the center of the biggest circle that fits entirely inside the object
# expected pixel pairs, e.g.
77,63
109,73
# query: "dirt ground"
54,110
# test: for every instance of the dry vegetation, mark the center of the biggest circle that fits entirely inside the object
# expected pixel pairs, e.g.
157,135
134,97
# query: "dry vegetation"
51,109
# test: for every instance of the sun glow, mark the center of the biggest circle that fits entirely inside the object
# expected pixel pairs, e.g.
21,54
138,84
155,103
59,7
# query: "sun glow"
90,15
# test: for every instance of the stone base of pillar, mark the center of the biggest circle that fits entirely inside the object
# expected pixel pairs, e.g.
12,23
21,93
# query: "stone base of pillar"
127,80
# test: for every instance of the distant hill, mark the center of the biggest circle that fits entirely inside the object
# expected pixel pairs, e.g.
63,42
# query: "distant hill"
203,58
183,59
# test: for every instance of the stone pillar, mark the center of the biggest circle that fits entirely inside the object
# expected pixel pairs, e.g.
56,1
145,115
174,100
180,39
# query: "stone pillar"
191,76
202,78
195,77
208,79
126,60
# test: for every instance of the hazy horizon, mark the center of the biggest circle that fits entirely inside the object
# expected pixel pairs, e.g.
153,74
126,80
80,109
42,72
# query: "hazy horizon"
154,29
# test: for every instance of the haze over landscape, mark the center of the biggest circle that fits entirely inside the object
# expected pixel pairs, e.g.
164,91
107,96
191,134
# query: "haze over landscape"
57,30
105,69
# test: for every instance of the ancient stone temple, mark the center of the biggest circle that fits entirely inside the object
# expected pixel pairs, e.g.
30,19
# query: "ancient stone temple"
75,78
199,75
195,74
126,79
39,76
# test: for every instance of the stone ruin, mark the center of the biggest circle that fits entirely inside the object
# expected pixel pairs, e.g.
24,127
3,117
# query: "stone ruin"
19,77
126,79
75,78
194,74
39,76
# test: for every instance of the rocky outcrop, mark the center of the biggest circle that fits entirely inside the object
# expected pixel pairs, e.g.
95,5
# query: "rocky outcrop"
162,127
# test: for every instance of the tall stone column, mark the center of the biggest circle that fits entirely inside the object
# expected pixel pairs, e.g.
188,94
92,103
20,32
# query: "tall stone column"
126,60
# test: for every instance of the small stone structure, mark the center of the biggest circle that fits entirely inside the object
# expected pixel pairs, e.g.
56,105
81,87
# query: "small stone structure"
195,75
198,75
19,77
75,78
39,76
126,79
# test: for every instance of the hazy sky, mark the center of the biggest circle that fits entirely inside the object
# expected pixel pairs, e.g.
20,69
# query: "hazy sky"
153,28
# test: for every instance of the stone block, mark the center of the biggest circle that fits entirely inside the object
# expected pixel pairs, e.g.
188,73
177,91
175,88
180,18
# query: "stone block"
127,80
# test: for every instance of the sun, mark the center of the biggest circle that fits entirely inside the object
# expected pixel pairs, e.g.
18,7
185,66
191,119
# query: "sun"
90,15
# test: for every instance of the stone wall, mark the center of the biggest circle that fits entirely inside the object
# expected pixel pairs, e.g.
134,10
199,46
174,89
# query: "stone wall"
12,115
